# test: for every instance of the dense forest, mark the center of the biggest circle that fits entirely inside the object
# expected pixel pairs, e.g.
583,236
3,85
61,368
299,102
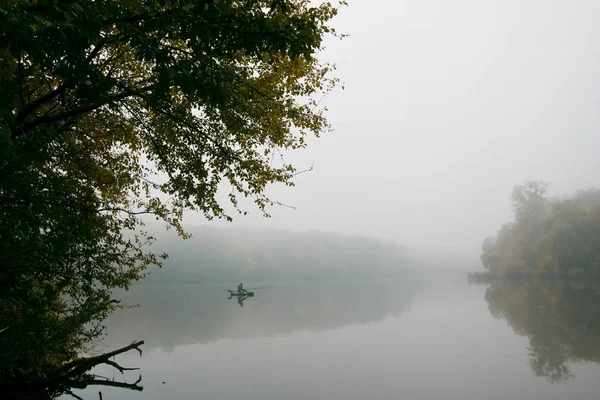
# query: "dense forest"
549,237
234,254
561,321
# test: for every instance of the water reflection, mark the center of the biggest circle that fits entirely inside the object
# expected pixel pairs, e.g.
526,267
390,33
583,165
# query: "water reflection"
240,299
341,341
177,315
561,321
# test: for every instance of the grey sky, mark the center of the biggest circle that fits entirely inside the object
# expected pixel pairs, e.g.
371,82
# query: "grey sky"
448,104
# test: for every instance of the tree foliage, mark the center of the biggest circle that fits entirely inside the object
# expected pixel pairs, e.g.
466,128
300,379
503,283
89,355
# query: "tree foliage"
115,109
549,237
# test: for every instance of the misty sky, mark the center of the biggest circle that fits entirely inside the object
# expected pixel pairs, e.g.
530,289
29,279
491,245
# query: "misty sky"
448,104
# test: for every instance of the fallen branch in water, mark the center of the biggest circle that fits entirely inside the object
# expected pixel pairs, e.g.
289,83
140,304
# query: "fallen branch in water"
82,384
81,365
75,375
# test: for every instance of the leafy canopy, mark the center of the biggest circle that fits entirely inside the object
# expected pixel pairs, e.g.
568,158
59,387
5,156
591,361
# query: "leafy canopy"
549,237
113,109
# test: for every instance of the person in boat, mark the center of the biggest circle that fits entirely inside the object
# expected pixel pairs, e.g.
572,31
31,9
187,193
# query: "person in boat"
241,289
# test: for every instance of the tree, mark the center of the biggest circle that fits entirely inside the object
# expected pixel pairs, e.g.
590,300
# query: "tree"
549,237
112,110
528,199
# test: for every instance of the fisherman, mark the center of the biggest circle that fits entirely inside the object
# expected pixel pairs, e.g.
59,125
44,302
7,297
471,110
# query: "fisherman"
241,289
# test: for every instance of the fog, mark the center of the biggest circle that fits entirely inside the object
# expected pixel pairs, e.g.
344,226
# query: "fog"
447,105
217,255
163,318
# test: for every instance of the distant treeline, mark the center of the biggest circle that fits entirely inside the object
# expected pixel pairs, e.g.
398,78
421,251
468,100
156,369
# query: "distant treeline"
232,254
548,237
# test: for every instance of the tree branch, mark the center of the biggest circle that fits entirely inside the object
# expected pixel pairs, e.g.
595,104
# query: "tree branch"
39,102
78,111
101,382
305,170
120,368
31,107
79,366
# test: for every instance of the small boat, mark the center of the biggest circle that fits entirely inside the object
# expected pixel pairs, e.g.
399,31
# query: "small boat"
240,294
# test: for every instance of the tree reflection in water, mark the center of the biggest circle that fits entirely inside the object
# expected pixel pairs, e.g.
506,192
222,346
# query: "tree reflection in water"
560,319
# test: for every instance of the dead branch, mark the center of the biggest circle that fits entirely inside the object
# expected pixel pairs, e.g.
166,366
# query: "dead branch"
81,365
101,382
117,366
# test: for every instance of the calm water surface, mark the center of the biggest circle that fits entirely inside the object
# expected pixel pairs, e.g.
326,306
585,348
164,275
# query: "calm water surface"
362,340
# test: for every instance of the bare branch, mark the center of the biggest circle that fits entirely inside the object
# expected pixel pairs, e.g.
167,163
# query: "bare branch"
305,170
117,366
79,366
101,382
283,205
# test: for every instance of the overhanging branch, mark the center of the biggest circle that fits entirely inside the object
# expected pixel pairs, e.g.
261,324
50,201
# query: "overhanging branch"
20,130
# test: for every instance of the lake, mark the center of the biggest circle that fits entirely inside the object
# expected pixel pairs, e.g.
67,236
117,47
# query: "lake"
413,339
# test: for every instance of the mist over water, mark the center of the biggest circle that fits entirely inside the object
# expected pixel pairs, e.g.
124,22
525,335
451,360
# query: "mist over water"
353,340
165,319
312,332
